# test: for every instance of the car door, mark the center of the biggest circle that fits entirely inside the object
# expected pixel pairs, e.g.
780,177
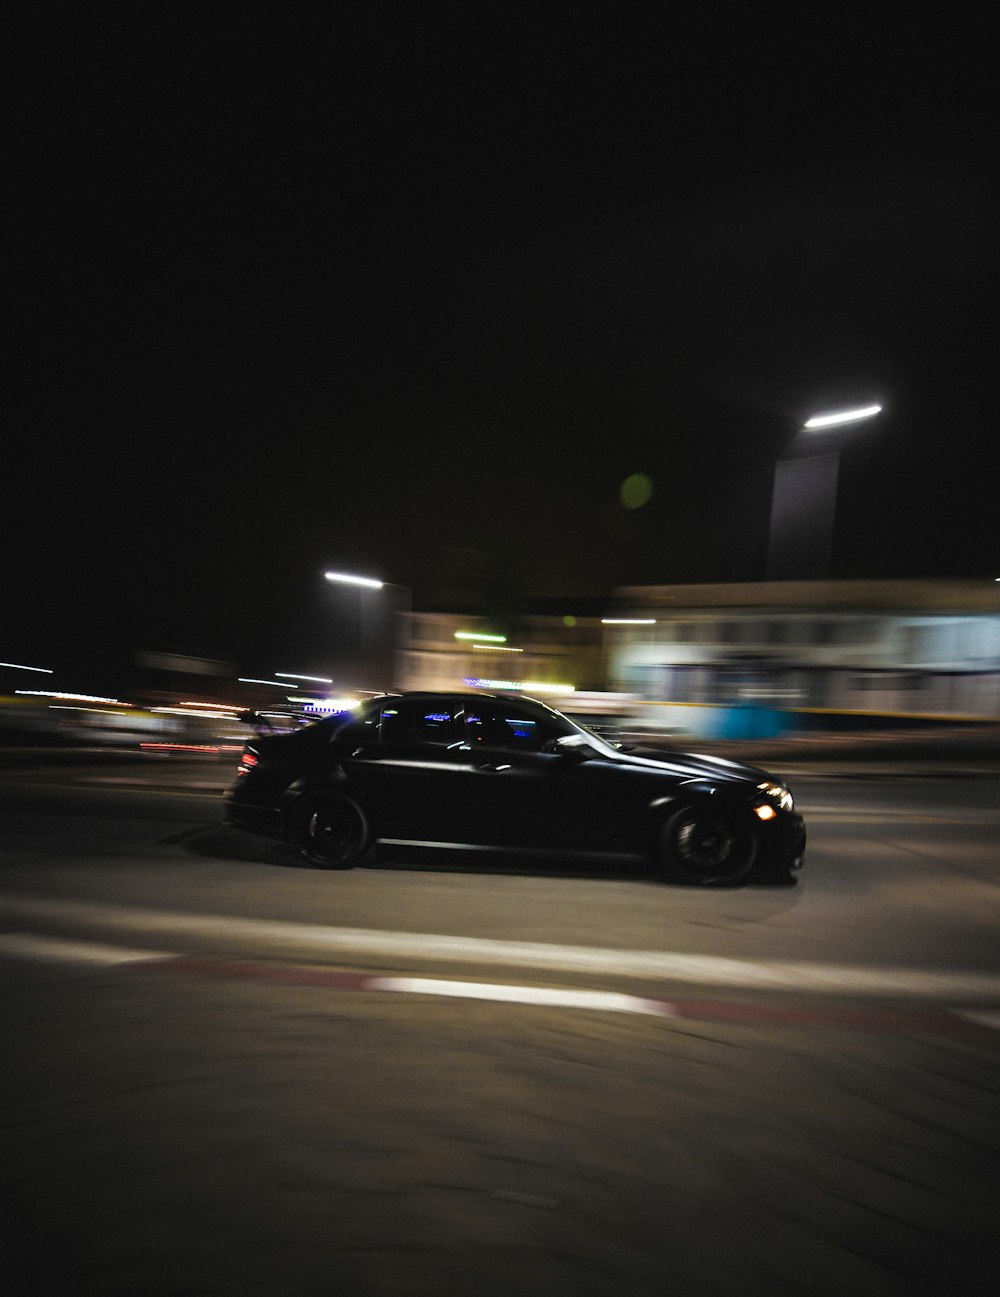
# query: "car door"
407,776
526,793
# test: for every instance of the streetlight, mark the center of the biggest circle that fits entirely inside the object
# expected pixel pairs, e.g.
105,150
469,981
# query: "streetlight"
804,502
382,667
348,578
842,416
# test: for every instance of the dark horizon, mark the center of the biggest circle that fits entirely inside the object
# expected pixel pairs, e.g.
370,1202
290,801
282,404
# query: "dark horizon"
414,292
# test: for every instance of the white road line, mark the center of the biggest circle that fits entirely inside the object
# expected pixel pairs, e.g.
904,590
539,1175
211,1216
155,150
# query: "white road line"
25,945
21,945
543,995
895,817
984,1019
190,792
706,970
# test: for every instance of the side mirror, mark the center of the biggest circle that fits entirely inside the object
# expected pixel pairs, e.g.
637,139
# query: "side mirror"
574,747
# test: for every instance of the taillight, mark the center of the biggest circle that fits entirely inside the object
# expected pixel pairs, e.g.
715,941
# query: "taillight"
247,762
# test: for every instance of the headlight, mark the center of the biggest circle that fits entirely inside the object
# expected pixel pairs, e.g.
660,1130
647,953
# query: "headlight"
778,793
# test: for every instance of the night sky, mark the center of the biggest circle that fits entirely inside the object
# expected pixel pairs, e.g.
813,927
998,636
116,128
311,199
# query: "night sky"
411,289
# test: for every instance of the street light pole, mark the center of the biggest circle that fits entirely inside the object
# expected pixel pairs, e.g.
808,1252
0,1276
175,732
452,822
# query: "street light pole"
804,503
385,666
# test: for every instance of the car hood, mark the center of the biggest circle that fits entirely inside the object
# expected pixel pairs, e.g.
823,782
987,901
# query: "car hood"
696,765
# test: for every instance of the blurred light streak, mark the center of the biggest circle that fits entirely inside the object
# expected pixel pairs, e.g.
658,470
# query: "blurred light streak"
77,698
233,707
476,635
189,711
628,621
19,666
292,675
185,747
69,707
496,648
276,684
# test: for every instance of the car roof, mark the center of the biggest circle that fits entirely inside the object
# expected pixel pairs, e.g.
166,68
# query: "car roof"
454,693
429,694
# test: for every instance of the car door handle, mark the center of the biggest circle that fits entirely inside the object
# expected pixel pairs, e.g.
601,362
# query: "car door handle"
491,769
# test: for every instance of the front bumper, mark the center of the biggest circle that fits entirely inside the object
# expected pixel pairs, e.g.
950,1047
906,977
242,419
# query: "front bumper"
783,844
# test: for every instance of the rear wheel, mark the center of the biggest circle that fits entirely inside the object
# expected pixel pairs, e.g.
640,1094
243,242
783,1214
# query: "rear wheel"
710,846
329,830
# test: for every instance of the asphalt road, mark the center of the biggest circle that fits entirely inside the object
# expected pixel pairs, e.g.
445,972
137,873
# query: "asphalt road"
228,1074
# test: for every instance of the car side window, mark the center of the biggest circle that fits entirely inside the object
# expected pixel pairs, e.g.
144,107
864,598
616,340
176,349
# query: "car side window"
358,732
505,725
406,721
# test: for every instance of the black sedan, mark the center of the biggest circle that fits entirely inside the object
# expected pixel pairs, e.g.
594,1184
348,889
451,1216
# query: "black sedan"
508,774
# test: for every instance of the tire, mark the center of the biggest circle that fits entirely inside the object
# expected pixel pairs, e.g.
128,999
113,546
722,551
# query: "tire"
329,830
709,846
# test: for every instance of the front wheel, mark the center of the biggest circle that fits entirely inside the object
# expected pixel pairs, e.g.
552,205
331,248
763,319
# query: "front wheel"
707,845
329,830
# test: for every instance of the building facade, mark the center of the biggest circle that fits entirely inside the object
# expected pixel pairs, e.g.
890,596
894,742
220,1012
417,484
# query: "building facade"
921,649
689,657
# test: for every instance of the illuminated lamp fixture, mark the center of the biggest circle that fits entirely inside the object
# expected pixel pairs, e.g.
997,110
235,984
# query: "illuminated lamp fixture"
348,578
842,416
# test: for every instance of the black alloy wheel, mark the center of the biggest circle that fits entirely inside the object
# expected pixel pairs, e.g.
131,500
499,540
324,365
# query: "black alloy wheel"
708,845
329,830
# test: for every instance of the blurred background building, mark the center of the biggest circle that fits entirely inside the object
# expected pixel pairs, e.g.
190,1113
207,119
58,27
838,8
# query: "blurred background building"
755,660
738,661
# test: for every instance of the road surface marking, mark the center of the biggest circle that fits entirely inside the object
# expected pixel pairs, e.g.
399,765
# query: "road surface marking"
186,791
47,949
346,943
984,1019
521,994
25,945
894,817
